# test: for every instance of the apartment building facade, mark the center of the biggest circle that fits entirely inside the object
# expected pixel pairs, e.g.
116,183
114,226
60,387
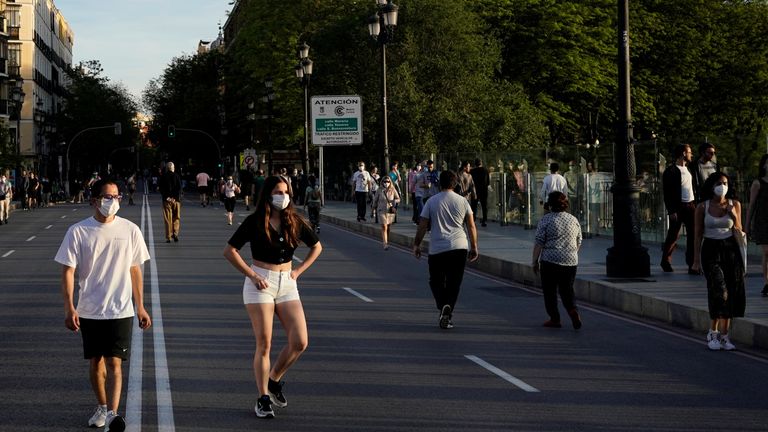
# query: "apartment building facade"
36,49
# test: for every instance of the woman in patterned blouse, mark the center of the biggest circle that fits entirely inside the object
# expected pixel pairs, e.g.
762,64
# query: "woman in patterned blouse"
558,238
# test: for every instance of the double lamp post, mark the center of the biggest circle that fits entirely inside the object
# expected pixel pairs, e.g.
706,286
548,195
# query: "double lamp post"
386,19
304,73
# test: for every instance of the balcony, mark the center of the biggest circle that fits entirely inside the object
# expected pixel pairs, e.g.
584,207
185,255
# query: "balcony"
13,32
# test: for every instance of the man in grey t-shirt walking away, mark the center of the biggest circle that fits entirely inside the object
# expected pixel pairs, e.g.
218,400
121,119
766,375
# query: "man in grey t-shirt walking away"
446,214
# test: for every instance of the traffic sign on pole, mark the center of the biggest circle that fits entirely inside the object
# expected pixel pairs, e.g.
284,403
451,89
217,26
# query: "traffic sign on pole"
337,120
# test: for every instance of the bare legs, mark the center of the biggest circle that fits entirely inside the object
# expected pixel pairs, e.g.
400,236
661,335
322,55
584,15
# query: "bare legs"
107,380
385,235
291,315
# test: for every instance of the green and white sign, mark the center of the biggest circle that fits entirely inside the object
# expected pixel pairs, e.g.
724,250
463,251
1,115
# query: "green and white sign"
337,120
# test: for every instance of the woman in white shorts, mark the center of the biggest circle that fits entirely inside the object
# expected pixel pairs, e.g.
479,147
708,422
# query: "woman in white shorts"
274,231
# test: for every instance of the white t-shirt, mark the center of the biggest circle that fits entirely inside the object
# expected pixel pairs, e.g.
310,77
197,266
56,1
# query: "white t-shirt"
686,187
362,180
552,183
103,254
446,212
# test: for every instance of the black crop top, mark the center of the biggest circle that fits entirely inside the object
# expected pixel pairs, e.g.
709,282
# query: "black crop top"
276,251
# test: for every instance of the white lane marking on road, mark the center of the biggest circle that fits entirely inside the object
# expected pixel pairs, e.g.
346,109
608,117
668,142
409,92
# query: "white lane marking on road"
298,260
74,209
49,227
165,421
134,396
31,238
357,294
9,252
516,381
64,217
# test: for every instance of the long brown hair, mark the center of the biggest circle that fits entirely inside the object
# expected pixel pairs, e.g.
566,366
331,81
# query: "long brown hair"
290,221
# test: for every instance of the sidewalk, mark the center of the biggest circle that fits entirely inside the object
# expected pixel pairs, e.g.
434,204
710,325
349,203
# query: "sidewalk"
675,298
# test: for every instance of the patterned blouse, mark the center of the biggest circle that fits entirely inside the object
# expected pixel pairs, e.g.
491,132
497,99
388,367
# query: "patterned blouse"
559,235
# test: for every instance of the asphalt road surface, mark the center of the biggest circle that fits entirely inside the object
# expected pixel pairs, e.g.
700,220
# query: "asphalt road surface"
376,361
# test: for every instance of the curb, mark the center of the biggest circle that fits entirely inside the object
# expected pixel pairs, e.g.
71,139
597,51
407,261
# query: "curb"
745,331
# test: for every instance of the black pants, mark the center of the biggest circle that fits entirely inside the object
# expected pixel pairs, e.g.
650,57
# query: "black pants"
446,271
483,200
685,216
556,278
361,199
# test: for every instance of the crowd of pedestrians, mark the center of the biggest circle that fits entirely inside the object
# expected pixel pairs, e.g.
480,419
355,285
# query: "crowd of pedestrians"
448,206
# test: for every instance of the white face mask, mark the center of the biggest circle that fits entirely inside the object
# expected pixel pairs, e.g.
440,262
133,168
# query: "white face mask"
109,207
360,168
229,182
280,202
721,190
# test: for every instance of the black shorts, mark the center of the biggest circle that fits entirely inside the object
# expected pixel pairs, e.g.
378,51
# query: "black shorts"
106,338
202,190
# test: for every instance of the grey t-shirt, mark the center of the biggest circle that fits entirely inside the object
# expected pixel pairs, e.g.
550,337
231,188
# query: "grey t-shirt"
446,212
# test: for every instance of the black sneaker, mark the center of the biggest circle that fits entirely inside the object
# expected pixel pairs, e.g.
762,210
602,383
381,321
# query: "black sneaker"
264,408
276,393
175,238
445,318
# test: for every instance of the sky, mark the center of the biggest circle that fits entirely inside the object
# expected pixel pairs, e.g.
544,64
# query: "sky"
136,39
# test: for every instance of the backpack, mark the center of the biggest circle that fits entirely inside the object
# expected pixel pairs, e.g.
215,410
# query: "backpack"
316,193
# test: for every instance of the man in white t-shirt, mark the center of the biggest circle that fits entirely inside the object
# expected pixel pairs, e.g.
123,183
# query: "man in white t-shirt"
553,182
107,251
363,182
202,180
447,213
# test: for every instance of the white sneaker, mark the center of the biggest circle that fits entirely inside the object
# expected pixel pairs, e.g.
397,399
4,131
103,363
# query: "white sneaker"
115,422
726,343
713,341
99,417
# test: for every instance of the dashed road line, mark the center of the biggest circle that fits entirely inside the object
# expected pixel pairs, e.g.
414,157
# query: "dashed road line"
357,294
64,217
31,238
507,377
9,252
49,227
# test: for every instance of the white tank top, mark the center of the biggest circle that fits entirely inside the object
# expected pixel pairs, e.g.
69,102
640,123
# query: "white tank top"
229,191
717,228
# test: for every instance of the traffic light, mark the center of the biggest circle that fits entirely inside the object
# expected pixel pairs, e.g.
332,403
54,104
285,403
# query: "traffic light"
171,131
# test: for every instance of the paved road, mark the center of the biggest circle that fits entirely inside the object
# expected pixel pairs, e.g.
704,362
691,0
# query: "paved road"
377,360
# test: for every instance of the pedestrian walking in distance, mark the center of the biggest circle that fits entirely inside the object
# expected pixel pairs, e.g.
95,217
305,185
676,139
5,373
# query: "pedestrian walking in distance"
107,252
680,201
229,191
757,217
448,213
313,201
362,182
555,257
385,204
274,231
170,190
717,253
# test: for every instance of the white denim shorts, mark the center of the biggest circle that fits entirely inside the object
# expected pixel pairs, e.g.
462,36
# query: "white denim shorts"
282,287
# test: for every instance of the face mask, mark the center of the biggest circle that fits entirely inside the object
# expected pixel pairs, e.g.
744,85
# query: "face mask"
109,207
721,190
229,182
280,202
360,168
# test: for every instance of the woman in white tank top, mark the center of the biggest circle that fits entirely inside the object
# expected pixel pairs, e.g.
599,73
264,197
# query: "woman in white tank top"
718,254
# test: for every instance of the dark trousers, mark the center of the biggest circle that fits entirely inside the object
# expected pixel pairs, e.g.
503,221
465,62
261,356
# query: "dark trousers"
446,271
361,199
483,200
557,278
685,216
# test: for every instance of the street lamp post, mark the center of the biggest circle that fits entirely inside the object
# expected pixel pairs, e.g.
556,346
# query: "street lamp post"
304,73
269,99
385,17
627,257
17,94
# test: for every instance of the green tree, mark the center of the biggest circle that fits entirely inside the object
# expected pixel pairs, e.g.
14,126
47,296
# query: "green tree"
187,97
92,101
